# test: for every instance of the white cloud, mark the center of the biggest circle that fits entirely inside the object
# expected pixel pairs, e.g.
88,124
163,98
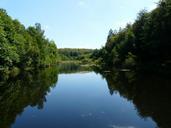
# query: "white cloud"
81,3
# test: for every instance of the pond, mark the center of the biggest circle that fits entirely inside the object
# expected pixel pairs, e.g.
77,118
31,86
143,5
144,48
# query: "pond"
74,97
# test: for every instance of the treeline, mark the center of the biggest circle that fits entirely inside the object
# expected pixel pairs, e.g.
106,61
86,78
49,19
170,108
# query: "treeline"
75,54
24,47
146,43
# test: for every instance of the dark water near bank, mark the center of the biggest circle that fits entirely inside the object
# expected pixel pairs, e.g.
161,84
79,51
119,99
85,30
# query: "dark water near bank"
74,97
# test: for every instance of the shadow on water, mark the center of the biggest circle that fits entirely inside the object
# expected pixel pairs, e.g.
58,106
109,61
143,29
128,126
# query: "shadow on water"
67,68
27,89
150,93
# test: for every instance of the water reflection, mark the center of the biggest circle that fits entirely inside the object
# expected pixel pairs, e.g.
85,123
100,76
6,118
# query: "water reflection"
66,68
28,88
17,91
150,93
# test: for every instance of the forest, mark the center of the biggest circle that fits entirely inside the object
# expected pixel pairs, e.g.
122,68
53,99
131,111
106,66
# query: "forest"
123,84
145,44
78,55
22,47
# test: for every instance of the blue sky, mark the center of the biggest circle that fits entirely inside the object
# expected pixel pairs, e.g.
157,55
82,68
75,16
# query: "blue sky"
76,23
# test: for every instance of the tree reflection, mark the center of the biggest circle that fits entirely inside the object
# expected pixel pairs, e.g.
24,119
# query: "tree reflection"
18,91
28,88
66,68
150,94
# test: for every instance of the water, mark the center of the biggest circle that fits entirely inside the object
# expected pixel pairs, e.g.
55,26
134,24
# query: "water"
74,99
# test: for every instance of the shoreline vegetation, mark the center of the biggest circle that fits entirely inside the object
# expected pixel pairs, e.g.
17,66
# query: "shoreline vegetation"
134,64
143,45
24,48
82,57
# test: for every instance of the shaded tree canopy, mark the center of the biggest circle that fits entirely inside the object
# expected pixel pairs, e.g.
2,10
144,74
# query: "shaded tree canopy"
24,47
145,43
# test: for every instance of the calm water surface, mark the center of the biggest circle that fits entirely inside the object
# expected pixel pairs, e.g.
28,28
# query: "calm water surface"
55,99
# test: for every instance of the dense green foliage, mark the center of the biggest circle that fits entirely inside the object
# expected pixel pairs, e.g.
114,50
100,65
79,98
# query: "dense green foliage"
145,43
24,47
73,54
